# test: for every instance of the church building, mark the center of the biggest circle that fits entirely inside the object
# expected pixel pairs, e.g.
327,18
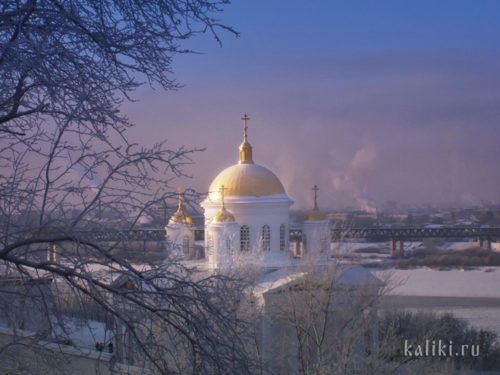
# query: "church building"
247,218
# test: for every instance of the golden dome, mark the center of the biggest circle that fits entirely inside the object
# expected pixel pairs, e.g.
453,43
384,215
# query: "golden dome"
223,216
315,215
180,216
246,180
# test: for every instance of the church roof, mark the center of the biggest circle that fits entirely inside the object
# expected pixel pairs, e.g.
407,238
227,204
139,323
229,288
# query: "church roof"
346,276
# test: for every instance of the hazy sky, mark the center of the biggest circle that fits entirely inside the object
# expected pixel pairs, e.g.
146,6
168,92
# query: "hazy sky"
371,100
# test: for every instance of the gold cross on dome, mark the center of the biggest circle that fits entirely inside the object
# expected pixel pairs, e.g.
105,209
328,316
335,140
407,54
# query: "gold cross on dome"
245,119
315,189
180,197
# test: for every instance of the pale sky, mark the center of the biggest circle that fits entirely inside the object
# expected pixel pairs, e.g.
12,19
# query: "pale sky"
371,100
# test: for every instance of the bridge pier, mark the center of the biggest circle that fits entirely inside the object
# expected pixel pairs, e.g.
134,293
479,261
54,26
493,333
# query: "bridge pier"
401,249
485,243
396,248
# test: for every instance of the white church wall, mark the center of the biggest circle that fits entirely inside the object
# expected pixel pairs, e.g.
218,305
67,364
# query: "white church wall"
180,239
316,239
223,244
255,212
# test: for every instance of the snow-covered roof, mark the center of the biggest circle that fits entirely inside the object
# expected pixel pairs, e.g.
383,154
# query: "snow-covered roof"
348,275
357,275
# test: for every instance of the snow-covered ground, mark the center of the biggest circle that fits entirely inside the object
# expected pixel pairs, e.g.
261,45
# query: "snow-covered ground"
83,333
356,248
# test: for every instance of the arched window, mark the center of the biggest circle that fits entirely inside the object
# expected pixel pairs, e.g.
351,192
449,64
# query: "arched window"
228,244
185,244
282,237
266,238
244,238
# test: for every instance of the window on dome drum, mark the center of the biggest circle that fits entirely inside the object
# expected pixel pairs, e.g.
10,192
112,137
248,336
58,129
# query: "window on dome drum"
185,244
282,237
228,244
266,238
244,238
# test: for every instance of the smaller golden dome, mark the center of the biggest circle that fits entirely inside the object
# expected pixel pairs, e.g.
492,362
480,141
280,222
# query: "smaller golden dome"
223,216
180,216
315,215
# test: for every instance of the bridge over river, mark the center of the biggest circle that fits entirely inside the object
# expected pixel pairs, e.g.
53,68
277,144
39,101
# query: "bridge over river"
395,235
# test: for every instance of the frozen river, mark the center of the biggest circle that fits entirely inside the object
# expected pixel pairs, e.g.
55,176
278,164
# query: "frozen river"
471,295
